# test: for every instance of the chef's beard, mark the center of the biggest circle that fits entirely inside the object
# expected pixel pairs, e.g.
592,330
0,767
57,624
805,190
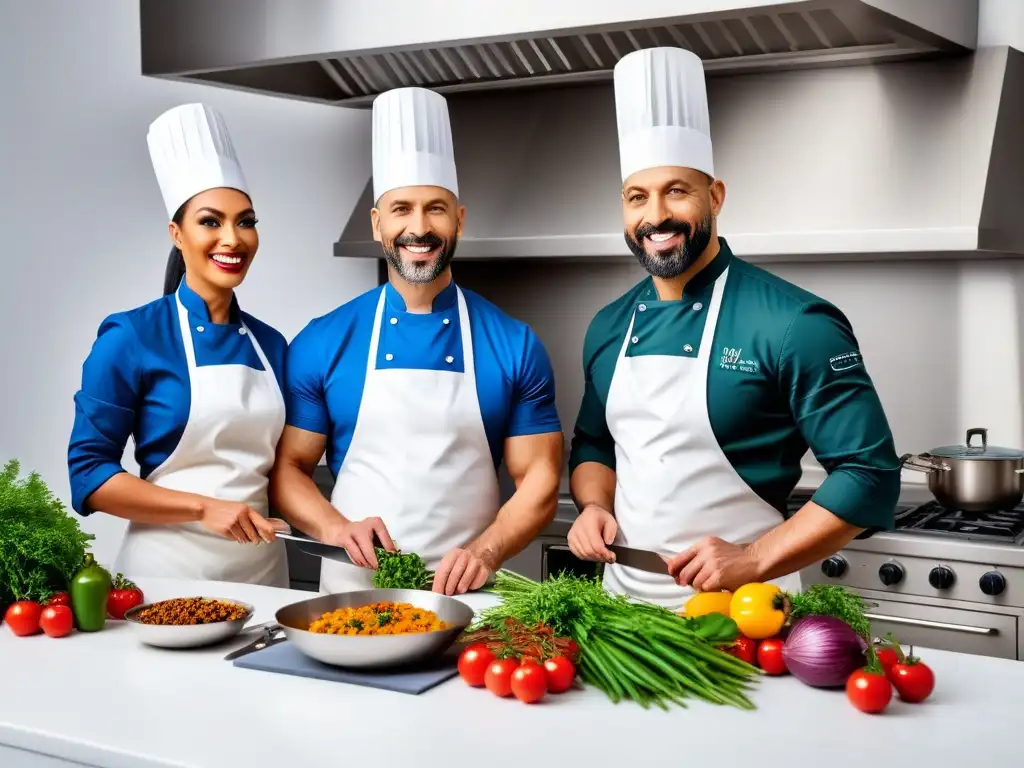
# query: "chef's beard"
424,272
668,264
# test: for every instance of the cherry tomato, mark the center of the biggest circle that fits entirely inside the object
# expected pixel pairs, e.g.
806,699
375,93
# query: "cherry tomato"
498,677
61,598
57,620
529,683
887,657
473,663
913,680
868,691
744,648
572,651
769,656
23,617
561,673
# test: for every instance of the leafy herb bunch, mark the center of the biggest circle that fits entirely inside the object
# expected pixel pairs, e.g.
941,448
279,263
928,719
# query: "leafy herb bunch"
396,570
41,546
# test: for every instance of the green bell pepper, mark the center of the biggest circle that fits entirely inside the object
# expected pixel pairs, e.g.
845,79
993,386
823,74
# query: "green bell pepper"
90,590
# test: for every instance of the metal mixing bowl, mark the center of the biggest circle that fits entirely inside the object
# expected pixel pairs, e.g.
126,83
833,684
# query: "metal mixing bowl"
187,635
370,651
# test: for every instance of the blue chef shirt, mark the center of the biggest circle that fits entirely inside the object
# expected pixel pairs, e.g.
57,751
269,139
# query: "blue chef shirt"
135,382
327,362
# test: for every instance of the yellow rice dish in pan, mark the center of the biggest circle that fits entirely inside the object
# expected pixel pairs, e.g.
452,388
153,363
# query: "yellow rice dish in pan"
378,619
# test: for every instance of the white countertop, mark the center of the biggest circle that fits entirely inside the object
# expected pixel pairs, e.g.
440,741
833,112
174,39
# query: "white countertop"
91,697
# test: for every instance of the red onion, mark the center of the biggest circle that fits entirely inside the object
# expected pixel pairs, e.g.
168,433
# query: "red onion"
822,651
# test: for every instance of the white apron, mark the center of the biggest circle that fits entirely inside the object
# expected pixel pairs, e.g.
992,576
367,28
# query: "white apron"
419,460
674,485
225,452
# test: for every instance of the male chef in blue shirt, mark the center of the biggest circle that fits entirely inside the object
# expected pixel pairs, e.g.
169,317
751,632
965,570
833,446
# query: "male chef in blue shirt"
418,389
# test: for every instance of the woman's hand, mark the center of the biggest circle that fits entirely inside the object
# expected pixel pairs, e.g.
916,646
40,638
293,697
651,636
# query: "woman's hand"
234,520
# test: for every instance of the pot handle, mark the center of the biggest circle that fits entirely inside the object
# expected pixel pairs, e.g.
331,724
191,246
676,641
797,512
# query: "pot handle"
982,431
921,464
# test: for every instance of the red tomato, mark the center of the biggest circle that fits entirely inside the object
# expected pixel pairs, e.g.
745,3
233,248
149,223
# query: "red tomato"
57,620
61,598
868,691
887,657
913,680
498,677
124,595
529,683
769,656
23,617
572,651
561,673
473,663
744,648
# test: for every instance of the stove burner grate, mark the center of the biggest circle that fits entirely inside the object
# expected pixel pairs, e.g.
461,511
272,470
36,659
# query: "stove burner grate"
932,518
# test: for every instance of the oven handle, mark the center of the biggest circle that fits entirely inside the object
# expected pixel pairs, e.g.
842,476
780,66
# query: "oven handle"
933,624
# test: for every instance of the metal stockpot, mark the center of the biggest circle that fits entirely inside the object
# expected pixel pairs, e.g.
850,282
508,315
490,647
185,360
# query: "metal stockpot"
972,478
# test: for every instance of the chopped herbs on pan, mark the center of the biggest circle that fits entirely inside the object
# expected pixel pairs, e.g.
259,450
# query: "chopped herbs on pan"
396,570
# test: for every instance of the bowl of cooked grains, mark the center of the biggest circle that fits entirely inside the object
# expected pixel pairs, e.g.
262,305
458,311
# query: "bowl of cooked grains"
375,628
188,622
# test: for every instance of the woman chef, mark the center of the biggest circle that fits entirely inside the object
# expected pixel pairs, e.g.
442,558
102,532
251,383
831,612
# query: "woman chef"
195,381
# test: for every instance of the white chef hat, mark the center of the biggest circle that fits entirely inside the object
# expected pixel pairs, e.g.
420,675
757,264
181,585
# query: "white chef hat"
412,141
661,105
191,151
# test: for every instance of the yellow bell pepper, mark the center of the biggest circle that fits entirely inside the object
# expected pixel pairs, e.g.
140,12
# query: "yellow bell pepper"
704,603
759,610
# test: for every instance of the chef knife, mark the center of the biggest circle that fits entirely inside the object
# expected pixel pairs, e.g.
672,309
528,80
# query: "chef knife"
641,559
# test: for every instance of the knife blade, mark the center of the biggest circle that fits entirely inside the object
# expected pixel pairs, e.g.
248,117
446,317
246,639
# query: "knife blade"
271,635
317,548
642,559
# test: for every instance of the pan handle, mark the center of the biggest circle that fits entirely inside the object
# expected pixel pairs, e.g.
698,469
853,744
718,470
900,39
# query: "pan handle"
921,464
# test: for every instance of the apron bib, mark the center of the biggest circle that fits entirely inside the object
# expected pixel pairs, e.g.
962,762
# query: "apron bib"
674,485
419,460
225,452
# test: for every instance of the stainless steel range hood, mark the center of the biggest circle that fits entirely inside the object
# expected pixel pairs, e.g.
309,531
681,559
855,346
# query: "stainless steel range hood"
916,156
908,160
346,52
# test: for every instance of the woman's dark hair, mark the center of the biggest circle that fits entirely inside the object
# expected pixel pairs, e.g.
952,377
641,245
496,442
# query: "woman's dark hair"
175,260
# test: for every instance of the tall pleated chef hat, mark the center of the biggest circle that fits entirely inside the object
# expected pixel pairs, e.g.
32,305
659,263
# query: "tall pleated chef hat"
412,141
191,151
661,105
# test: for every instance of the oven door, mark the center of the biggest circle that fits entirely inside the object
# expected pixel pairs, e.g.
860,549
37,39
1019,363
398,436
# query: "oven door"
962,630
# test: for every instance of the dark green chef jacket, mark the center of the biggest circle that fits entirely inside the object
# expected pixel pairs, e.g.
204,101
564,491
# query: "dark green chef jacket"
785,375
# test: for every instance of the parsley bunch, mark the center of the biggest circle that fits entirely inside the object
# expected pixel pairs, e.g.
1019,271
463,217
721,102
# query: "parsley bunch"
396,570
831,600
41,546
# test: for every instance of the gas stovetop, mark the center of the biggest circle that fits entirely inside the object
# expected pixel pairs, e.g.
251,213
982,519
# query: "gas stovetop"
1004,527
933,519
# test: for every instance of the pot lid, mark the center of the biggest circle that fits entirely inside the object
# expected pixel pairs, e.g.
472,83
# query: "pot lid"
980,450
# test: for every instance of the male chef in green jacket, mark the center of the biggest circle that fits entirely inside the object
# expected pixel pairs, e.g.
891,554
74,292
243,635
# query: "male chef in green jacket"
706,383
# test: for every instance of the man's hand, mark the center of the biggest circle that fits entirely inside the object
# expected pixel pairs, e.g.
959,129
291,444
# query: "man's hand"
356,536
713,564
460,571
591,534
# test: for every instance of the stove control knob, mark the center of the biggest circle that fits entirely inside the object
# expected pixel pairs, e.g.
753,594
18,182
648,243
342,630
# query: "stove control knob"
941,577
833,567
992,583
890,574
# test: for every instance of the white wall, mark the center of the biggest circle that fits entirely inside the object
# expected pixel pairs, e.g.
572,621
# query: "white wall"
1001,22
83,226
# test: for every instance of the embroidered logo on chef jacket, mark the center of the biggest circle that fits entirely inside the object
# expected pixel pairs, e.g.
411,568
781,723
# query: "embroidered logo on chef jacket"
732,360
845,362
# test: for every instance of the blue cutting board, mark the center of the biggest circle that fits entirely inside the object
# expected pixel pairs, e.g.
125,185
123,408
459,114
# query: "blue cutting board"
286,659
